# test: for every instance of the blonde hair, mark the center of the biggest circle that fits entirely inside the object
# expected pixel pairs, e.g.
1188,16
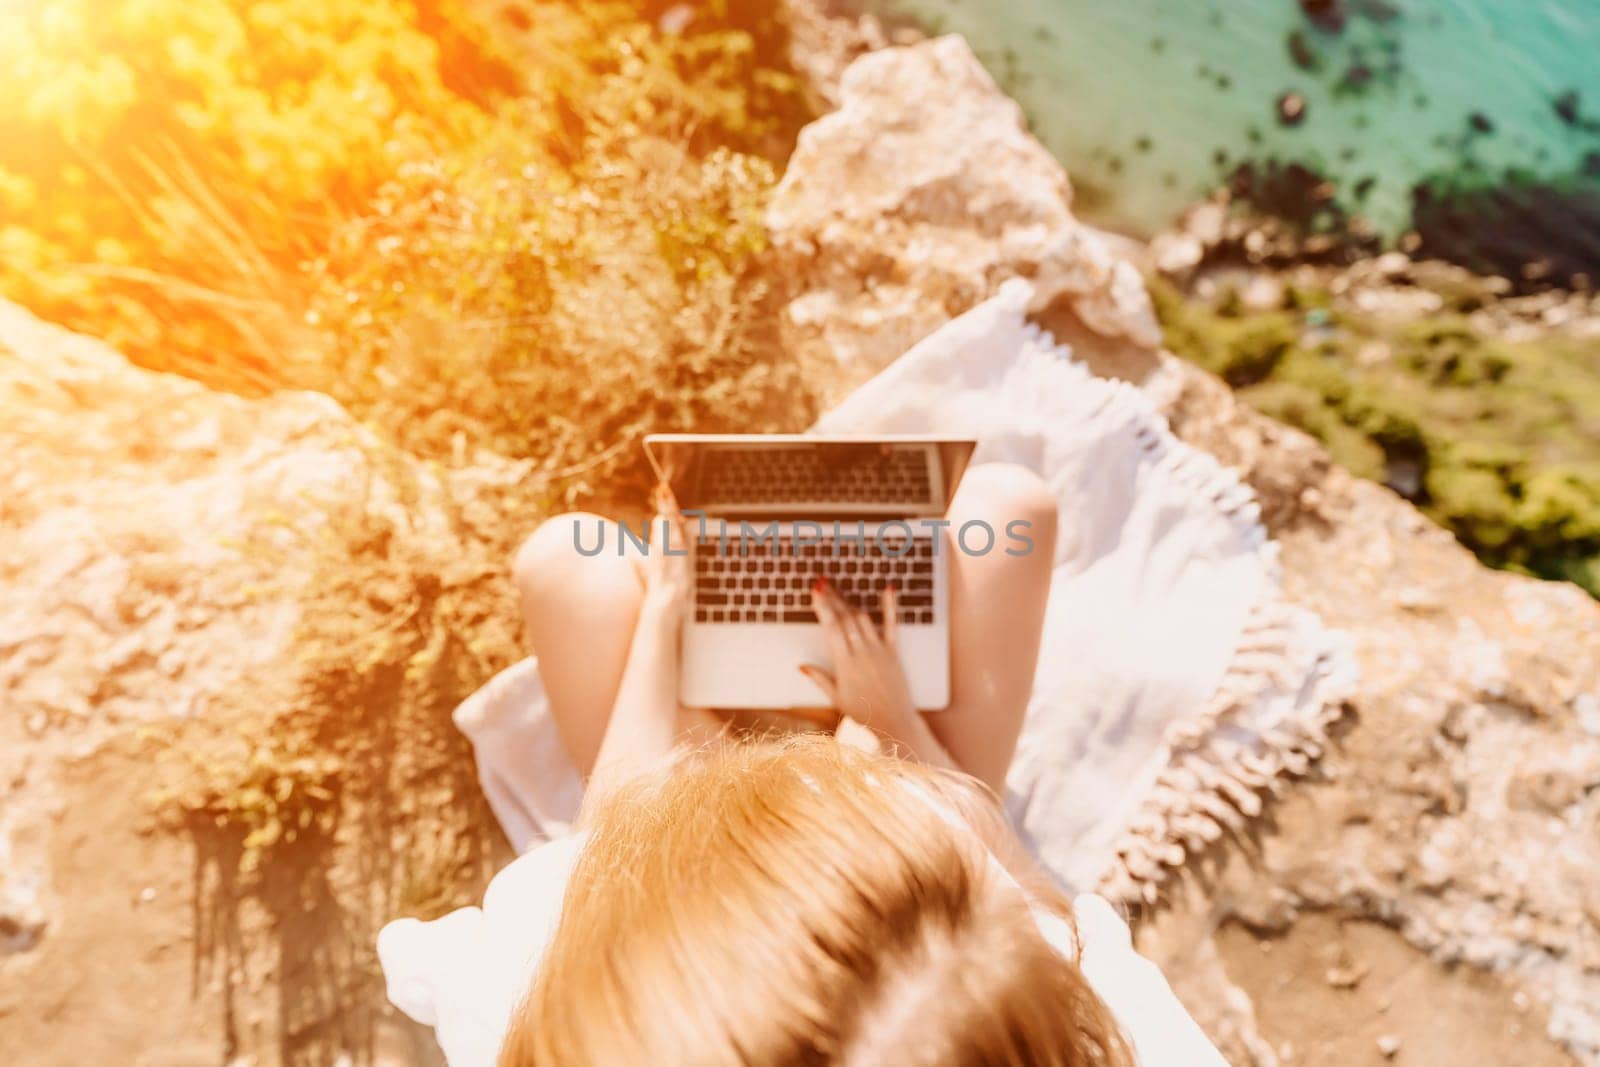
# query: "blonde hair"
801,902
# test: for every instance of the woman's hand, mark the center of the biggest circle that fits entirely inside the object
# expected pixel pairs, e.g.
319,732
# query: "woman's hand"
667,576
867,683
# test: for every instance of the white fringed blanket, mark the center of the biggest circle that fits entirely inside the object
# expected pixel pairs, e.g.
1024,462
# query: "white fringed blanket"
1174,687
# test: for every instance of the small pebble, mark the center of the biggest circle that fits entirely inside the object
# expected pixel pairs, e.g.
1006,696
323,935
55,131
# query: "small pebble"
1301,52
1291,109
1566,106
1326,14
1344,977
1419,600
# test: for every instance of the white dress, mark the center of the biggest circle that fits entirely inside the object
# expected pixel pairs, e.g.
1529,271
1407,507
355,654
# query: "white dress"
465,973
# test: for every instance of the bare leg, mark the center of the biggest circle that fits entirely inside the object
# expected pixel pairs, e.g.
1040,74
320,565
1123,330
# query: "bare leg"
997,604
579,613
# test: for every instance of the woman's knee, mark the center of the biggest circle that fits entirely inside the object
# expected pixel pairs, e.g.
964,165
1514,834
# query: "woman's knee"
1002,494
560,548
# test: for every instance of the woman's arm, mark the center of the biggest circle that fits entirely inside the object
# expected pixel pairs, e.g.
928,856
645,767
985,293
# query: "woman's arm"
643,727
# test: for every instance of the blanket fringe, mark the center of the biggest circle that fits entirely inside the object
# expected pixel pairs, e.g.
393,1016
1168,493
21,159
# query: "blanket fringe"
1212,785
1221,764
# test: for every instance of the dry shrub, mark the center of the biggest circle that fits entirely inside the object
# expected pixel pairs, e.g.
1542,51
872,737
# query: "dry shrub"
330,793
348,745
544,313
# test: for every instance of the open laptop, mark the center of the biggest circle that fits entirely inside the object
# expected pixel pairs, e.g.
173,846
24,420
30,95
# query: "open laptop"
767,514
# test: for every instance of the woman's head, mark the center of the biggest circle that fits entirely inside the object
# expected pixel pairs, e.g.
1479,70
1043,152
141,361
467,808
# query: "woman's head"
801,902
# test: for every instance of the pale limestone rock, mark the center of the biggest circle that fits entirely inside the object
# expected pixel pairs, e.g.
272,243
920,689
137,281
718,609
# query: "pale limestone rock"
823,45
915,198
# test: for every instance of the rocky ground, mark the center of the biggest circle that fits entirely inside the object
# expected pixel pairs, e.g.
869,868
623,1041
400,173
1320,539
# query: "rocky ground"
231,636
233,631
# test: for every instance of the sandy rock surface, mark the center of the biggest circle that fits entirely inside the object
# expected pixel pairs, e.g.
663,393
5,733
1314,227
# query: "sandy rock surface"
230,637
1429,893
1461,808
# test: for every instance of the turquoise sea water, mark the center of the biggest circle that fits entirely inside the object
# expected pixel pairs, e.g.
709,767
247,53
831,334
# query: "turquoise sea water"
1150,103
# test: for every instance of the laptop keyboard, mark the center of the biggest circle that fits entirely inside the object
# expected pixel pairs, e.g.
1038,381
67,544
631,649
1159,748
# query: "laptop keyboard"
845,474
769,579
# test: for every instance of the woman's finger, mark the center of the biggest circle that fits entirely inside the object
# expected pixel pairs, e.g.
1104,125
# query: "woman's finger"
834,625
857,623
662,538
891,616
670,522
679,530
665,502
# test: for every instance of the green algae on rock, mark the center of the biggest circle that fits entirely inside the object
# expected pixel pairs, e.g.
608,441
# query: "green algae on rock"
1496,437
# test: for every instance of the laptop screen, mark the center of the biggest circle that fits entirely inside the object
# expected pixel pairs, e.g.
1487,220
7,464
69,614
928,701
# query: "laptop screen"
795,475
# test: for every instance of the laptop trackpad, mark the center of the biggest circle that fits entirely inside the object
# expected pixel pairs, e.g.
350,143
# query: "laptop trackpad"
757,665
